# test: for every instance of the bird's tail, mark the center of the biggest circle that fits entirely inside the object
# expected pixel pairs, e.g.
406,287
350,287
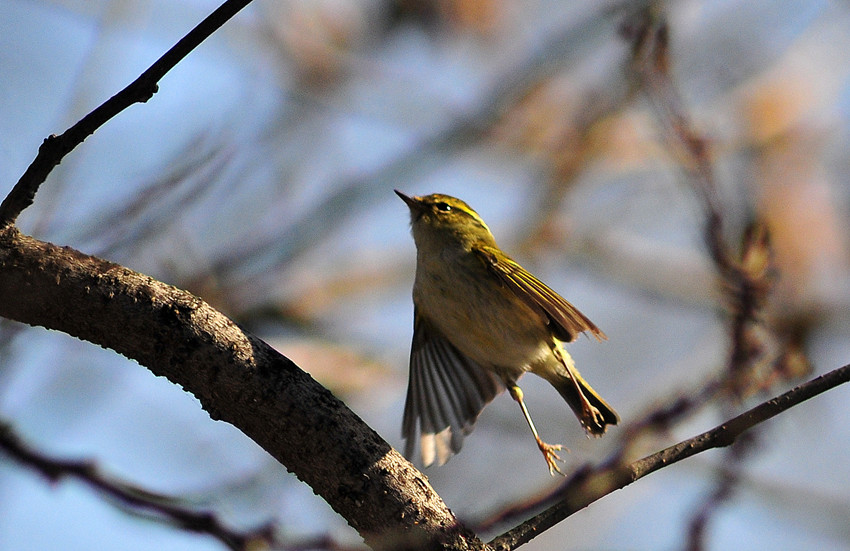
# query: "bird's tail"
592,411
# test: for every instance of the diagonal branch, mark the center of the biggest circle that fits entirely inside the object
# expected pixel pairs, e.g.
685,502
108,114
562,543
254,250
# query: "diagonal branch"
237,378
55,148
594,484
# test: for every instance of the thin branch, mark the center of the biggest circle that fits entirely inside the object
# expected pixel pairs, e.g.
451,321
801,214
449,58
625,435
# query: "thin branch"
591,485
55,148
657,419
128,495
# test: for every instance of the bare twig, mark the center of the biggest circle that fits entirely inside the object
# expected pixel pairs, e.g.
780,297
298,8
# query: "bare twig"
593,484
54,148
128,495
657,419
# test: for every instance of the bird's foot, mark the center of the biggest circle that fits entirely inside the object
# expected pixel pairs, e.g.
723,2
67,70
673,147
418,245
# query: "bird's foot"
593,421
548,451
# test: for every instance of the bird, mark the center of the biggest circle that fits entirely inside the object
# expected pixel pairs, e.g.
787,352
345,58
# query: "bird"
481,321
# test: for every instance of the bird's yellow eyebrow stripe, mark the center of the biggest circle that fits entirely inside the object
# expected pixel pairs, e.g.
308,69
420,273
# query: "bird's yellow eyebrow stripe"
465,208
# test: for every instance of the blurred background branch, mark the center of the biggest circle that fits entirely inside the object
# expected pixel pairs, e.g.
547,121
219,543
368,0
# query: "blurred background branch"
137,500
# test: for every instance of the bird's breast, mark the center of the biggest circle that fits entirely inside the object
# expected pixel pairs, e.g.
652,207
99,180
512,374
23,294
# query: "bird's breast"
481,317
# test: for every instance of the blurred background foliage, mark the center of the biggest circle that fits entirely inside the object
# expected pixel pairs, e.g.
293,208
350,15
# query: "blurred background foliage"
260,178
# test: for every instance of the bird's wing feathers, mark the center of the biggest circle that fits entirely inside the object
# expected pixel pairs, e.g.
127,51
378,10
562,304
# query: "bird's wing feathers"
567,322
445,395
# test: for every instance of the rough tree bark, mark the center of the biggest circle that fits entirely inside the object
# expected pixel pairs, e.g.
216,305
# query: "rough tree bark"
237,378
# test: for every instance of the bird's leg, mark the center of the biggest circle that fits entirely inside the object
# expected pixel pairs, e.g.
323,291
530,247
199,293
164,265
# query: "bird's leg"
589,413
548,450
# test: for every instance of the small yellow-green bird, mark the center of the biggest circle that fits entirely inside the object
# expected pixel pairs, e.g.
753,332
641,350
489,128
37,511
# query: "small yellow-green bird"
480,322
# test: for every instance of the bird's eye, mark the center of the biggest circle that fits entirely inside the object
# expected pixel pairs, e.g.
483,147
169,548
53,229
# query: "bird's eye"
443,207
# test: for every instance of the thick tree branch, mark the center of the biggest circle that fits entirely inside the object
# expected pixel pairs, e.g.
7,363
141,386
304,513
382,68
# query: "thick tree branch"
590,485
237,378
54,148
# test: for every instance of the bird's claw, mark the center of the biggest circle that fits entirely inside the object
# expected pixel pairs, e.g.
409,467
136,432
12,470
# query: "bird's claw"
551,457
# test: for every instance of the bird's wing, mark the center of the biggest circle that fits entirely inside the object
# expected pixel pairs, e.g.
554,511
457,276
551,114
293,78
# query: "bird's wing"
445,395
566,321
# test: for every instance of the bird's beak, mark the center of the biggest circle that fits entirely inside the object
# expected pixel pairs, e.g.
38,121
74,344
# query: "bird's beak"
413,203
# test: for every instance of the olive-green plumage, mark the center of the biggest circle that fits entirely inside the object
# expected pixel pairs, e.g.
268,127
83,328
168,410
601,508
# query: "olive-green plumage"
481,322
